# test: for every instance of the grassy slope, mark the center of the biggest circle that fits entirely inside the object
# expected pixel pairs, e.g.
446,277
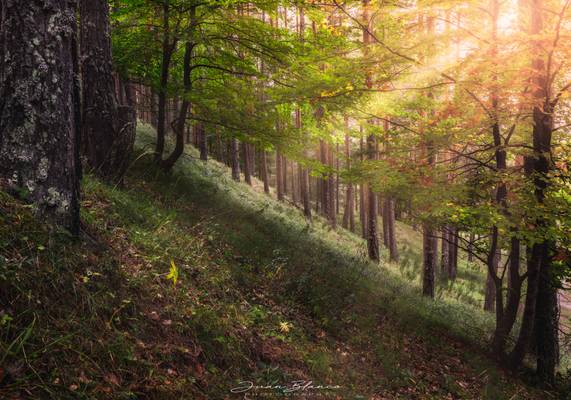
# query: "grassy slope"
261,295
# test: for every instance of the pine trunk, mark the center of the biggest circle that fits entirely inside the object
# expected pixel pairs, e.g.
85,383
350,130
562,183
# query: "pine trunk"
36,98
108,131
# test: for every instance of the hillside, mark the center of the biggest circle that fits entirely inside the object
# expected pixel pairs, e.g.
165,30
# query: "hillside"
185,284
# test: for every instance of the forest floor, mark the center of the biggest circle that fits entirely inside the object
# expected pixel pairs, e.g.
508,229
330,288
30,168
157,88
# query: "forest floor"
184,285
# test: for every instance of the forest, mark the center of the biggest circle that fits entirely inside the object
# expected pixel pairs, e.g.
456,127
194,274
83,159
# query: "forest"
345,199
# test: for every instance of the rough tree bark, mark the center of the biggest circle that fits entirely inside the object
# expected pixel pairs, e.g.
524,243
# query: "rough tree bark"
39,93
108,130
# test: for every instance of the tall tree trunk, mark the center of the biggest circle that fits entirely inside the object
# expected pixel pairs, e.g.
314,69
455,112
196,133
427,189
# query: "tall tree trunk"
453,253
391,231
36,98
235,159
349,211
429,261
305,195
202,140
284,174
505,325
547,324
154,108
264,171
445,259
540,302
337,205
471,240
247,163
324,183
108,131
180,123
372,237
279,176
491,281
168,46
332,216
362,199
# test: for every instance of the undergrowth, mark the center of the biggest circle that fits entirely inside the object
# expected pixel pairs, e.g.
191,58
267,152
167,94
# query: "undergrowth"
184,284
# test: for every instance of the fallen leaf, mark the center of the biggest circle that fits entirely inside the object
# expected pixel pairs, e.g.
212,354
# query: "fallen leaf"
112,379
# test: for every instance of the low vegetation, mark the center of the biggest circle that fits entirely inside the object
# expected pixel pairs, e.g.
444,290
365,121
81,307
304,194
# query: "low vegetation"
185,284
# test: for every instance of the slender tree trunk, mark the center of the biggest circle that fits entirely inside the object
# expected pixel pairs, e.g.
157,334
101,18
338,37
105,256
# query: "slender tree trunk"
383,214
279,177
349,211
372,237
491,295
284,174
471,241
445,259
362,200
187,83
337,210
392,239
202,141
235,159
264,171
331,187
505,325
219,148
305,195
39,106
247,163
429,261
168,47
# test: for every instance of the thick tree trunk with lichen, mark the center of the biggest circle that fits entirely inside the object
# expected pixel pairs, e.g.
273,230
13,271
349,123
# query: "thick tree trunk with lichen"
39,116
108,130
